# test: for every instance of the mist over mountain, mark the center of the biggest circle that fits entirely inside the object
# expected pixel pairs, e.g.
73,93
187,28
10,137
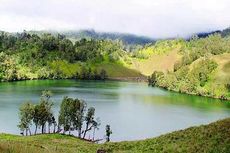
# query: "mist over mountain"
126,38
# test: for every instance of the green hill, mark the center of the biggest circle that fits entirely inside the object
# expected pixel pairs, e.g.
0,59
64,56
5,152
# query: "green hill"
199,66
212,138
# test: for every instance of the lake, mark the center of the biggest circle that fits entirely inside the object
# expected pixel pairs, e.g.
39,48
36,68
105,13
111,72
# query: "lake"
134,110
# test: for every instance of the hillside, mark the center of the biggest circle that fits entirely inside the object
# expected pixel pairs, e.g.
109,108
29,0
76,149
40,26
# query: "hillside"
198,67
156,62
214,137
25,56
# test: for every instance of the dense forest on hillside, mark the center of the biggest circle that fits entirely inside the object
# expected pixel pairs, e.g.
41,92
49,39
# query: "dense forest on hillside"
25,56
196,66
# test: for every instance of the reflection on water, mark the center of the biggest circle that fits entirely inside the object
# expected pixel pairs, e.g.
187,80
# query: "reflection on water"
134,110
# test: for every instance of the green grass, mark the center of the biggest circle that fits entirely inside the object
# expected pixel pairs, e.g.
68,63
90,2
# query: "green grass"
44,143
115,70
212,138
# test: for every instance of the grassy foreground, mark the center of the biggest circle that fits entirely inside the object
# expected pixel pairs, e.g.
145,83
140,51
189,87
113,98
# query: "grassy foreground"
212,138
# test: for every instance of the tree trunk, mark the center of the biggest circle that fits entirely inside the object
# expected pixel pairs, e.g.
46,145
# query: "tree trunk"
29,131
36,127
107,139
26,131
79,132
49,128
93,133
54,129
43,128
86,129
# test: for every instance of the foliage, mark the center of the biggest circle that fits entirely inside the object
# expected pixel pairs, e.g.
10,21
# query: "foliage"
160,47
108,132
30,56
72,117
39,114
192,80
26,114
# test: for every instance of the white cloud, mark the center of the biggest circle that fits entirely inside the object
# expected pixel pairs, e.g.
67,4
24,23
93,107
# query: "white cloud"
158,18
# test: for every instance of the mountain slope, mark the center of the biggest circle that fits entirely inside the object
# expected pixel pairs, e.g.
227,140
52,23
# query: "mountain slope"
162,62
199,66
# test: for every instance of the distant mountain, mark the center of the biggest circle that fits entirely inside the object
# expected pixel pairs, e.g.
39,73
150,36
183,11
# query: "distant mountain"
206,34
128,39
226,32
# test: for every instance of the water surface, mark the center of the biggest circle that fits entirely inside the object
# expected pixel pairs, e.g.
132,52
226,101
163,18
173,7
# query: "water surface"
134,110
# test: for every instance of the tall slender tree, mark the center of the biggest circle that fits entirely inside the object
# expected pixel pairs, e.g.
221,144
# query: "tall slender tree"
90,122
26,113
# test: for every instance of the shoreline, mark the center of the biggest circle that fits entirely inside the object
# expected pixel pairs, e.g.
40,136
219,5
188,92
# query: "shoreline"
193,94
143,79
74,136
130,79
209,137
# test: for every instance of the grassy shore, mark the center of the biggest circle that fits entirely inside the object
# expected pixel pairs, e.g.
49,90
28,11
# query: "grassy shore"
212,138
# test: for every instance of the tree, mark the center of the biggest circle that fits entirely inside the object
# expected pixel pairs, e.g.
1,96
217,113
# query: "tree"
108,132
80,117
45,112
36,117
154,78
64,118
39,114
90,122
71,115
46,95
103,74
96,126
54,123
26,113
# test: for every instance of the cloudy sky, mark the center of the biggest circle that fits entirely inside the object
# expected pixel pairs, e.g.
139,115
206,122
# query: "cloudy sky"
153,18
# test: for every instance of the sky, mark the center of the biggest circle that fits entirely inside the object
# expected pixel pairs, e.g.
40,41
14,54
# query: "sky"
153,18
